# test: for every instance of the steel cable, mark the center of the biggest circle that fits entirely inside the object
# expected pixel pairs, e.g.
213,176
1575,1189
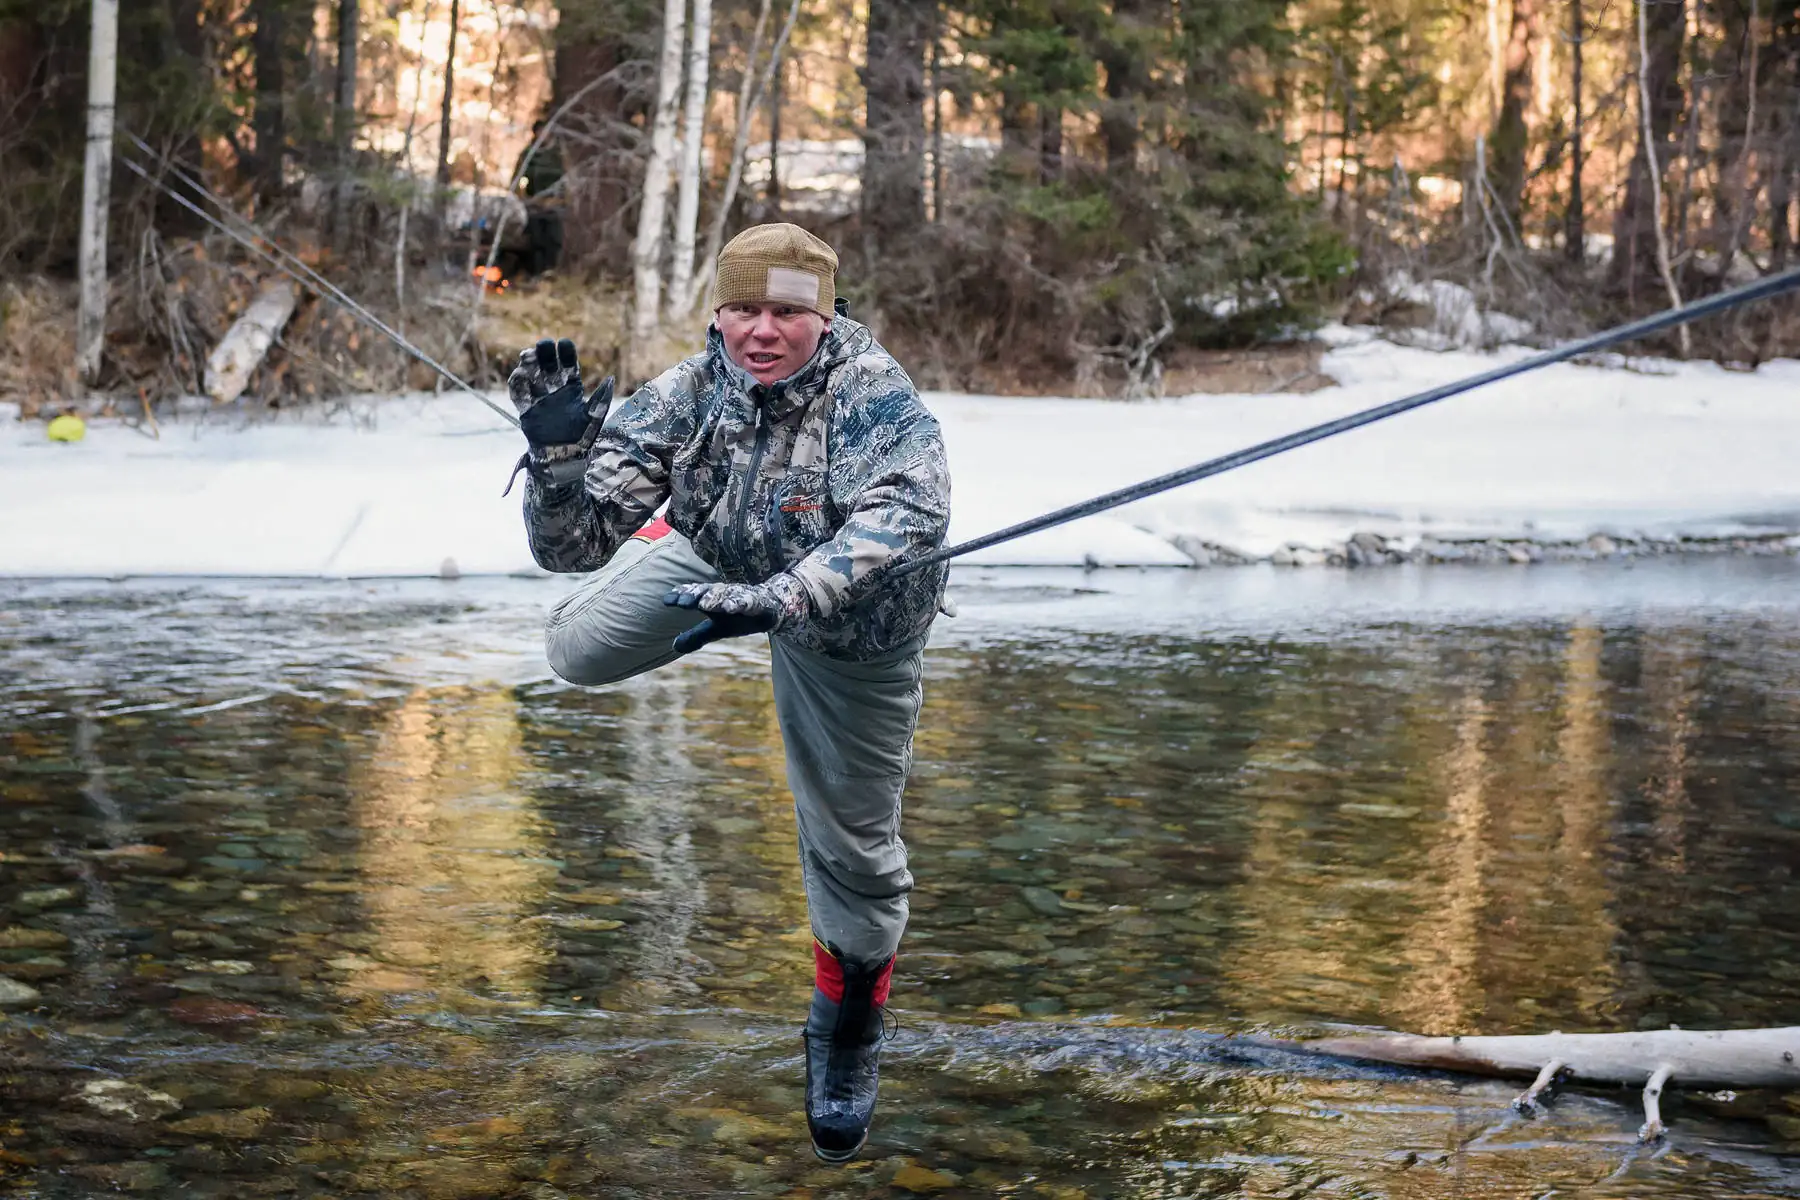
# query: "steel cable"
289,264
1761,289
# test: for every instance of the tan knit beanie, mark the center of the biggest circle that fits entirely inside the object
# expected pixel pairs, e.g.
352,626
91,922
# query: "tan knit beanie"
777,264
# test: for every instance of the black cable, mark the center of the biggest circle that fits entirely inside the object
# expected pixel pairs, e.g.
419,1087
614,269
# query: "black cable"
1762,289
299,272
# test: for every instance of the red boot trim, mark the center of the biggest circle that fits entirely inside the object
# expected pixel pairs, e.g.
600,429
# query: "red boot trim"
655,531
828,975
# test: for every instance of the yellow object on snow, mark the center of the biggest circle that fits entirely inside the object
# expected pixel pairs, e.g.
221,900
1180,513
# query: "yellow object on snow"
67,428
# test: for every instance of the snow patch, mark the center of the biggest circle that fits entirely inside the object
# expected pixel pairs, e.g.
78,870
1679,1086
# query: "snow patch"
402,486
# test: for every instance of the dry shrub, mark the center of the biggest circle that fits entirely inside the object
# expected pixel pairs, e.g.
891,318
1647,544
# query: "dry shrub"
594,314
37,343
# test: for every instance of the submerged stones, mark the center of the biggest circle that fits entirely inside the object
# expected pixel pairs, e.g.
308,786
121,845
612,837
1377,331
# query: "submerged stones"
1368,549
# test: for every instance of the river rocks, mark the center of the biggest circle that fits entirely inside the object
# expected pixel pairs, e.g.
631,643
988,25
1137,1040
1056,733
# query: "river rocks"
50,897
212,1011
238,1124
119,1098
14,994
125,1176
1369,549
1043,900
922,1181
19,937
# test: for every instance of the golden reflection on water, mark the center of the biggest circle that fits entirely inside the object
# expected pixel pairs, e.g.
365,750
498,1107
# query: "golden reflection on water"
453,855
1295,942
1446,991
1671,680
1581,945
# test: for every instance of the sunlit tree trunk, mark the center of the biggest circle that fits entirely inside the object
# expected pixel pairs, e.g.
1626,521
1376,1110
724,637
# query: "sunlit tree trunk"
268,51
1127,79
443,162
1511,137
96,187
344,119
894,159
687,207
653,209
1575,220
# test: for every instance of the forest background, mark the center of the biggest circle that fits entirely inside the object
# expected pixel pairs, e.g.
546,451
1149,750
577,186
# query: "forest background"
1089,197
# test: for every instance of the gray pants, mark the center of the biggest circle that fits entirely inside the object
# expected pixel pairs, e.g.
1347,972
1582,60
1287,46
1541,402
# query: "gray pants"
847,728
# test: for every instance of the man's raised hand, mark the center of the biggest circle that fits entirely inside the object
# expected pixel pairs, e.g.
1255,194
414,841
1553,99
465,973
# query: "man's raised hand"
559,423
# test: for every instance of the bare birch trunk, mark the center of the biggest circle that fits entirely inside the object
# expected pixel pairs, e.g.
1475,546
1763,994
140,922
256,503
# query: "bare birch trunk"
96,187
654,207
1656,201
687,207
748,98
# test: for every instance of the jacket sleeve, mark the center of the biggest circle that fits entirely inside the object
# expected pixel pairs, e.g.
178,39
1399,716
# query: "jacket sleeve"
900,513
578,526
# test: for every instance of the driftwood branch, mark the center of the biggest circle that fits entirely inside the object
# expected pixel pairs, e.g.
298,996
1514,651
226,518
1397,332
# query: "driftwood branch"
1653,1130
1534,1097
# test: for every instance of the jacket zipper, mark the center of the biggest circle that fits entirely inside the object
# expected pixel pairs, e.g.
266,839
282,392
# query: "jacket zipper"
752,487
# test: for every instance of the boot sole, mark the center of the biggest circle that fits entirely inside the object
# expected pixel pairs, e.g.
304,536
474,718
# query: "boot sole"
838,1157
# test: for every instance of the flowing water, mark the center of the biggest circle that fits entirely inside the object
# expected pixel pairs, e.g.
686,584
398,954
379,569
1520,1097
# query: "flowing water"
329,890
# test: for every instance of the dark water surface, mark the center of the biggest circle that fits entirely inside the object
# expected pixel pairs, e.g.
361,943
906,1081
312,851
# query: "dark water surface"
328,890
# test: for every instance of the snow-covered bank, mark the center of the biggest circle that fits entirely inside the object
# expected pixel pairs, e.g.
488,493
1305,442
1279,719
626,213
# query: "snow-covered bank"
1647,458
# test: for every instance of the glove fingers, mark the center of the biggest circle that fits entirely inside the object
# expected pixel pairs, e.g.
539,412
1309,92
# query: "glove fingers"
565,353
602,398
545,354
700,635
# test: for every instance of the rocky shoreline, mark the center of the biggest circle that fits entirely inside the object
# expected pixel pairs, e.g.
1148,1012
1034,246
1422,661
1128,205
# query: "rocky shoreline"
1375,550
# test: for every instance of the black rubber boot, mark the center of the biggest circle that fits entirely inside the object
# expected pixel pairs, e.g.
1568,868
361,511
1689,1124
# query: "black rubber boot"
843,1048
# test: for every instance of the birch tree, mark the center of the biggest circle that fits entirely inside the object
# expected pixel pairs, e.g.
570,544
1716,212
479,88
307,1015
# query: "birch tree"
653,210
96,186
750,95
687,208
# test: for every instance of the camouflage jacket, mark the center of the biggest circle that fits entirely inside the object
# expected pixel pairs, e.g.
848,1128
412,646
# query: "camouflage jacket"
834,475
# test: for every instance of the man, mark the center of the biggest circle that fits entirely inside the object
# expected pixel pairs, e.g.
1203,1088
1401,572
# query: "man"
799,467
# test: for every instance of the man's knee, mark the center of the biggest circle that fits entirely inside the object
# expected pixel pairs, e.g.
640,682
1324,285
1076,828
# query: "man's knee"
578,656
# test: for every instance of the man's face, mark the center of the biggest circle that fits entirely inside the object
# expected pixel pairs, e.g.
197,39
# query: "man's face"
771,341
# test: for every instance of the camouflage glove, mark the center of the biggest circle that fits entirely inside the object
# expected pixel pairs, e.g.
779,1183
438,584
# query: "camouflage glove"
740,609
557,422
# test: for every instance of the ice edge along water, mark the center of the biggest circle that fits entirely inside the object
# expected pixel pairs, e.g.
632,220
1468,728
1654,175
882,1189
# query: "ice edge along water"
1583,457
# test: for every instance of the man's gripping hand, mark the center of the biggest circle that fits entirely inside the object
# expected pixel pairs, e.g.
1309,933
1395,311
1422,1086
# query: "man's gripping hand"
558,422
740,609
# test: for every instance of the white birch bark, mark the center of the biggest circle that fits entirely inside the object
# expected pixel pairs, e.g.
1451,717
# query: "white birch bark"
687,207
96,187
1737,1058
1656,199
235,359
653,210
749,99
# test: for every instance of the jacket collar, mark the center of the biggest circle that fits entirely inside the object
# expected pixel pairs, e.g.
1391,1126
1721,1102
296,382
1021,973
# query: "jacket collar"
842,342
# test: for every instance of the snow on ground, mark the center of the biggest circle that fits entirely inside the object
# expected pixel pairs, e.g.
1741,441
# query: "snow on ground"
406,484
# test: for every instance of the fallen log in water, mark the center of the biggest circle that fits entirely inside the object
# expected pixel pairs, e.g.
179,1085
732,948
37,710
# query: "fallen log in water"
1731,1058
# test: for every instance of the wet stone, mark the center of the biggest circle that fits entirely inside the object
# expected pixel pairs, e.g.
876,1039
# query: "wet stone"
50,897
1043,900
19,937
14,994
